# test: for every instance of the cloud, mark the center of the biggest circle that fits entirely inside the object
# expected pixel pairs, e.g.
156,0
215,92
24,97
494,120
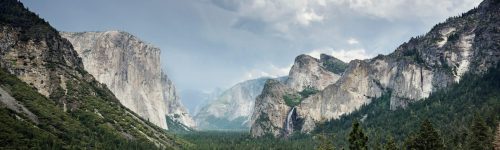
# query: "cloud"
230,5
306,17
352,41
278,15
342,54
272,71
281,15
407,9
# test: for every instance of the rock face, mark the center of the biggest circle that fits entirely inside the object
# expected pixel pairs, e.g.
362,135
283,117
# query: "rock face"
232,109
175,109
31,60
132,71
271,110
72,103
465,44
308,71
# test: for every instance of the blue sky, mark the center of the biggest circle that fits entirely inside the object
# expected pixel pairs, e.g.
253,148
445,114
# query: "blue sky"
208,44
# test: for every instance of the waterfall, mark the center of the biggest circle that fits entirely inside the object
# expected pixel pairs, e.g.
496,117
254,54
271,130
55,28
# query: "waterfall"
289,122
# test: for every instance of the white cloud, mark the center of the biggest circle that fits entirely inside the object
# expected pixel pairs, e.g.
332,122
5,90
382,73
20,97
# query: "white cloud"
306,17
279,15
272,71
342,54
403,9
352,41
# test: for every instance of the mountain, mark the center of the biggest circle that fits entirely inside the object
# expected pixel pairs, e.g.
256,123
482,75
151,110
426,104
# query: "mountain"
231,110
196,99
131,69
278,99
176,112
49,101
417,68
452,111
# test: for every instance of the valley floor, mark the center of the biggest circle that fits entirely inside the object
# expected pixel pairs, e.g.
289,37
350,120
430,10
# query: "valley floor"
242,140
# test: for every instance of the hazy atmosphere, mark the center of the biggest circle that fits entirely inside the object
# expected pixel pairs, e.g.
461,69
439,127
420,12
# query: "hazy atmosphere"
208,44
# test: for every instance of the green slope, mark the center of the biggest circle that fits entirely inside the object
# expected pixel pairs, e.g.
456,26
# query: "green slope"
99,123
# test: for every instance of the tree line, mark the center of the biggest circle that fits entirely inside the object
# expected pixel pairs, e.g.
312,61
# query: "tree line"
426,138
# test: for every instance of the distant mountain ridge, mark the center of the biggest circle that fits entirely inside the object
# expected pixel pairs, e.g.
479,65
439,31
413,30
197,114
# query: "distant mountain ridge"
232,109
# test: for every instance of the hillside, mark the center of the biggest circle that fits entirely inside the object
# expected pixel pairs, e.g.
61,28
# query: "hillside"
451,110
50,101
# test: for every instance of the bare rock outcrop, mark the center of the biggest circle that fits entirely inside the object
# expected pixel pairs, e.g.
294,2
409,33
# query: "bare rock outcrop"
132,70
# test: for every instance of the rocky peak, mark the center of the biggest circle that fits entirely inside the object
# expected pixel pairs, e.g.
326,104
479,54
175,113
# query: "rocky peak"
308,71
304,60
131,68
307,76
270,111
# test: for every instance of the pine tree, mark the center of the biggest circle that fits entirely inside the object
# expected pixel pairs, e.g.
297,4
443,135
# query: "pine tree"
480,138
357,139
325,143
426,139
497,138
390,144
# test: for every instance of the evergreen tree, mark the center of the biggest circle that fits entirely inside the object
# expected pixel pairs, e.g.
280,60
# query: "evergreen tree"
497,138
325,143
480,138
426,139
357,139
390,144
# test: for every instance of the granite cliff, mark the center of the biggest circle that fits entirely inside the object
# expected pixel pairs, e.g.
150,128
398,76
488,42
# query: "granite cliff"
131,69
278,99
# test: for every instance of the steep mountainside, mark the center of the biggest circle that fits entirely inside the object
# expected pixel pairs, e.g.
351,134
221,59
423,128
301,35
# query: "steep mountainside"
231,109
278,99
469,43
131,69
56,103
452,111
176,112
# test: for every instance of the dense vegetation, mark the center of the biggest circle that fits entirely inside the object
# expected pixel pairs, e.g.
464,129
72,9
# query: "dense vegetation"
451,111
13,13
243,140
224,123
335,66
84,128
293,99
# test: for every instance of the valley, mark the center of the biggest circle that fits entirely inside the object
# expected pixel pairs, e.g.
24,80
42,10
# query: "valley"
111,90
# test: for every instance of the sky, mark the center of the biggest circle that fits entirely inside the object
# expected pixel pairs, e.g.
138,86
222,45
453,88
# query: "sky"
212,44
